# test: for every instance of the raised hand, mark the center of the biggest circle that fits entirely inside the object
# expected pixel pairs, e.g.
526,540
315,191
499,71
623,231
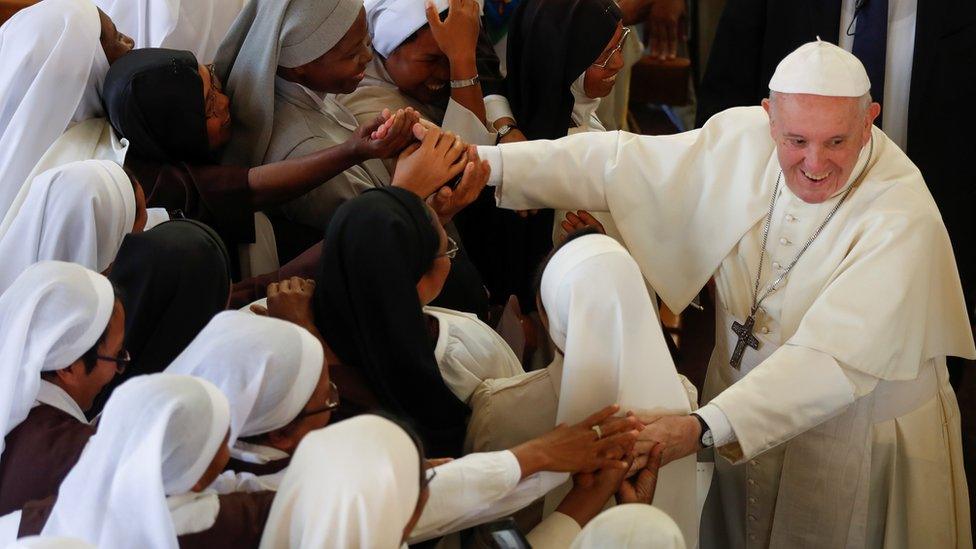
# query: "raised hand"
291,300
457,35
579,220
447,202
425,167
667,26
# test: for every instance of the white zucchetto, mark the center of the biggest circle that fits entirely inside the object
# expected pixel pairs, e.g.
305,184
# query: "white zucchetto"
821,68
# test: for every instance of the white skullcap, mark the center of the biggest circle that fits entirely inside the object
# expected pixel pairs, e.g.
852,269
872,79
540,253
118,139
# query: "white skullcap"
821,68
391,22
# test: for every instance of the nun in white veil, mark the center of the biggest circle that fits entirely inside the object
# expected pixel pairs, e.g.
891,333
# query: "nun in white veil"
49,317
194,25
353,484
157,444
77,213
267,368
51,76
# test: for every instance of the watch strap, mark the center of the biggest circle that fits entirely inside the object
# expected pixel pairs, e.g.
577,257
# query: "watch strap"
705,439
465,83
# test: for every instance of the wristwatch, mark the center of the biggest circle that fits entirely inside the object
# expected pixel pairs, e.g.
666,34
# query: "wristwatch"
466,82
706,439
503,131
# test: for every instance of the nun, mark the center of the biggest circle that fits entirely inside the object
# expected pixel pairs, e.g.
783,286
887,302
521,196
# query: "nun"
630,526
412,67
173,280
272,373
161,441
609,348
55,56
386,256
359,483
174,114
63,329
78,213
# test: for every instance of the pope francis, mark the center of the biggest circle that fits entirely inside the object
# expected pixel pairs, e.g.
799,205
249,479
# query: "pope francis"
838,299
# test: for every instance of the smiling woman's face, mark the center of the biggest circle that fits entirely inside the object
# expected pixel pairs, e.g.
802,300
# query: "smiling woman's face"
420,69
599,81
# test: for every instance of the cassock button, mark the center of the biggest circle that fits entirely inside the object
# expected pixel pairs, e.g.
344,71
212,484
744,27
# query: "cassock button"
784,241
764,330
754,462
752,537
751,482
789,217
753,500
776,265
753,518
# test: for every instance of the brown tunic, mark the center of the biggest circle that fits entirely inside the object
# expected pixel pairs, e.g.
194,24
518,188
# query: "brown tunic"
216,195
38,454
239,523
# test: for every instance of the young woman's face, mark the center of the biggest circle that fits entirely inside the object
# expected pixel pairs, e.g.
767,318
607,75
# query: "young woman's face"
217,107
420,69
599,81
113,42
342,68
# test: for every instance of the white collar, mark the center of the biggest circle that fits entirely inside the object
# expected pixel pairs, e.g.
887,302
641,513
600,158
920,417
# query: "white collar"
52,395
321,102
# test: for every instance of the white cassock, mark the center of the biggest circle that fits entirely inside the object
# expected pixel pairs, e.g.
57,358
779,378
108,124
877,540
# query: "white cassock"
842,429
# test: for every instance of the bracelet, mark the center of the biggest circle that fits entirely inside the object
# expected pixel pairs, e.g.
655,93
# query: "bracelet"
465,83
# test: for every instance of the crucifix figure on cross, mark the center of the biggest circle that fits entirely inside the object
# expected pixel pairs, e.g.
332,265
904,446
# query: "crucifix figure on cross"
744,331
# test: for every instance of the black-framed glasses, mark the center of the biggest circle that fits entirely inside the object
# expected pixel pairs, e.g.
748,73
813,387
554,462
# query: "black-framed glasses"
330,404
121,362
210,104
452,249
611,53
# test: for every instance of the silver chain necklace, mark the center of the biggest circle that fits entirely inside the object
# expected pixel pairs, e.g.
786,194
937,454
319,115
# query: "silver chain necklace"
744,331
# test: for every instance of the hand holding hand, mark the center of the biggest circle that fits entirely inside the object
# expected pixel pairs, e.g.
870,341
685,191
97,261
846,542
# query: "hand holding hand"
457,35
386,136
640,489
678,436
578,448
447,202
425,167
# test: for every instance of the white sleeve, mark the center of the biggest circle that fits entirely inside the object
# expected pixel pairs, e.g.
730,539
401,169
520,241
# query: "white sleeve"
478,488
463,122
496,107
792,391
494,158
719,424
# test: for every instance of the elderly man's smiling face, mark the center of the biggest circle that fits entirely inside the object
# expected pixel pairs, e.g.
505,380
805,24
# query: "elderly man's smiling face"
818,140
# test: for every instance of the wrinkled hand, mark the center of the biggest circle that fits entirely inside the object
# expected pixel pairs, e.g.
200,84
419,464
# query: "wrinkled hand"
386,136
426,166
678,436
576,448
667,25
457,35
640,489
447,202
579,220
291,300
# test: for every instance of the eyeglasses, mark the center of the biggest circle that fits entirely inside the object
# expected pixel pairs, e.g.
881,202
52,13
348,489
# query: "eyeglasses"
121,362
452,249
609,55
330,404
215,88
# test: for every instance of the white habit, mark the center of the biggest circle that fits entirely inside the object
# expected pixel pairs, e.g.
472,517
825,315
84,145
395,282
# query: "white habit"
847,432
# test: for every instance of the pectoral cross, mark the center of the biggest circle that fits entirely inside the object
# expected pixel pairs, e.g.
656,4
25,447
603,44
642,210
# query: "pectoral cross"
744,331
